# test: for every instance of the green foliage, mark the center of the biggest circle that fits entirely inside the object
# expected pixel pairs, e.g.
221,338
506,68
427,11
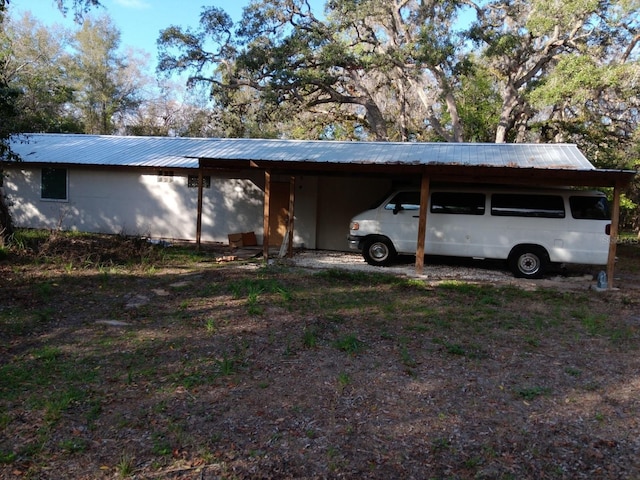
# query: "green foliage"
350,344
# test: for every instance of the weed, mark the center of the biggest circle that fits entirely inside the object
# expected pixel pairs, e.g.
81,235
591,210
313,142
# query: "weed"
310,337
227,365
7,457
459,287
73,445
252,301
44,290
44,315
58,402
350,344
440,443
531,393
595,324
95,409
532,341
5,420
405,355
210,325
473,462
412,283
358,278
47,354
125,466
288,350
574,372
455,349
161,446
15,322
209,290
344,379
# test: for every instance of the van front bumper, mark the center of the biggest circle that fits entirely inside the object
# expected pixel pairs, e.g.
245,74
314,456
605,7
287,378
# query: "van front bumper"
355,243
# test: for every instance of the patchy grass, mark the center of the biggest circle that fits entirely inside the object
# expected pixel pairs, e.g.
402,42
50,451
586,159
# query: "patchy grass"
230,370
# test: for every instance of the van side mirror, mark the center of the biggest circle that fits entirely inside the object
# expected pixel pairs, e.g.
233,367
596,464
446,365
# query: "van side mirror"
396,208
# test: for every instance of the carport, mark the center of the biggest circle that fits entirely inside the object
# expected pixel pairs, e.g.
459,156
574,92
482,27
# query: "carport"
462,163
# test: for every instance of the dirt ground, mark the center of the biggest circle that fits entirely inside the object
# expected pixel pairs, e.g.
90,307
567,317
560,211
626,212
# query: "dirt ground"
124,360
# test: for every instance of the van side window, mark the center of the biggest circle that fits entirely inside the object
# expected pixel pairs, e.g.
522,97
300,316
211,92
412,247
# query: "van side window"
458,203
589,208
404,201
524,205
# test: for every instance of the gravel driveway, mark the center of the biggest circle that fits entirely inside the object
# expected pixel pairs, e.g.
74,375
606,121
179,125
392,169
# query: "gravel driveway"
446,269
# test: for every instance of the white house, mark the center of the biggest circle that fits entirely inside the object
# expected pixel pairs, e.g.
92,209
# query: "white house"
150,185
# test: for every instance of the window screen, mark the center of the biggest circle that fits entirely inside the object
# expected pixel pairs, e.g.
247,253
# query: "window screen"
165,176
527,205
193,181
53,184
589,208
458,203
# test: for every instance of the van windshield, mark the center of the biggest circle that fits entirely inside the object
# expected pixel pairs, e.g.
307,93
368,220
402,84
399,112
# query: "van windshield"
404,201
589,208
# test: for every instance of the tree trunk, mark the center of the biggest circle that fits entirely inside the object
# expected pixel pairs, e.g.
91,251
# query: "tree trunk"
506,115
376,121
6,223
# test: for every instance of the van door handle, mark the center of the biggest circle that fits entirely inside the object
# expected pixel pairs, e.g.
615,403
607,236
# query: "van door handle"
416,216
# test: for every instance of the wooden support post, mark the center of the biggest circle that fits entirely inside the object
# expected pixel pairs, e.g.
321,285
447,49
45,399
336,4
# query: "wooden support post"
267,198
613,235
422,224
292,201
199,217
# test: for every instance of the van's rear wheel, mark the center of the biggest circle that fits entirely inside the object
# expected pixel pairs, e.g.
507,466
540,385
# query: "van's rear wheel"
378,251
528,261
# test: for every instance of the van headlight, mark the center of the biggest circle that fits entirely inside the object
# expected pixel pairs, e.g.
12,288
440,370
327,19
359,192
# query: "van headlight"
354,226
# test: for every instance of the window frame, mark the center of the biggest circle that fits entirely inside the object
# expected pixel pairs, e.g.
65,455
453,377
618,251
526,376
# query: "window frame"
582,212
475,203
192,181
46,188
511,208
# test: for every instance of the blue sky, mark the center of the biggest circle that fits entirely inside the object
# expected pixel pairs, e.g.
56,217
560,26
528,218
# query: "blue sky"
140,21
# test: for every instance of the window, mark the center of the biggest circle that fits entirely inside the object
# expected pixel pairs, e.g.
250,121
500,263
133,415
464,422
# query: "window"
193,181
458,203
53,184
589,208
165,176
525,205
404,201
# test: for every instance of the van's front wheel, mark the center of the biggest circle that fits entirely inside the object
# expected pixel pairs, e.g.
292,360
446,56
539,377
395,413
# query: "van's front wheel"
528,261
378,251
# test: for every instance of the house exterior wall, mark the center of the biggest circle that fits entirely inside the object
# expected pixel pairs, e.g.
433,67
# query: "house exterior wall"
134,203
339,199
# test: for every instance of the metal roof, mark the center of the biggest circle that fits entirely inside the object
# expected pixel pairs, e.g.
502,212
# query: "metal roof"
176,152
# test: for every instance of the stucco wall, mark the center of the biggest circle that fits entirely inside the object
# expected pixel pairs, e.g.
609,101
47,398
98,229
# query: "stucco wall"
135,203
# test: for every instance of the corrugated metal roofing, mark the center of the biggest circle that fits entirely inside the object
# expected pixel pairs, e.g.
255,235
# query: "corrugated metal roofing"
170,152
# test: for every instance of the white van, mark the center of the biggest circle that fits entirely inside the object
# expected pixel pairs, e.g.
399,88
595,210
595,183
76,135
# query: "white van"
528,228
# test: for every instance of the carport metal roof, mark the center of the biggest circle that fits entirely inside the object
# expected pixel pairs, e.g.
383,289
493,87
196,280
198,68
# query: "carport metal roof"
470,162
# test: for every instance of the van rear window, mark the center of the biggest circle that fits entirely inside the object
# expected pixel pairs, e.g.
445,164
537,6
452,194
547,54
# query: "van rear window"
458,203
527,205
589,208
